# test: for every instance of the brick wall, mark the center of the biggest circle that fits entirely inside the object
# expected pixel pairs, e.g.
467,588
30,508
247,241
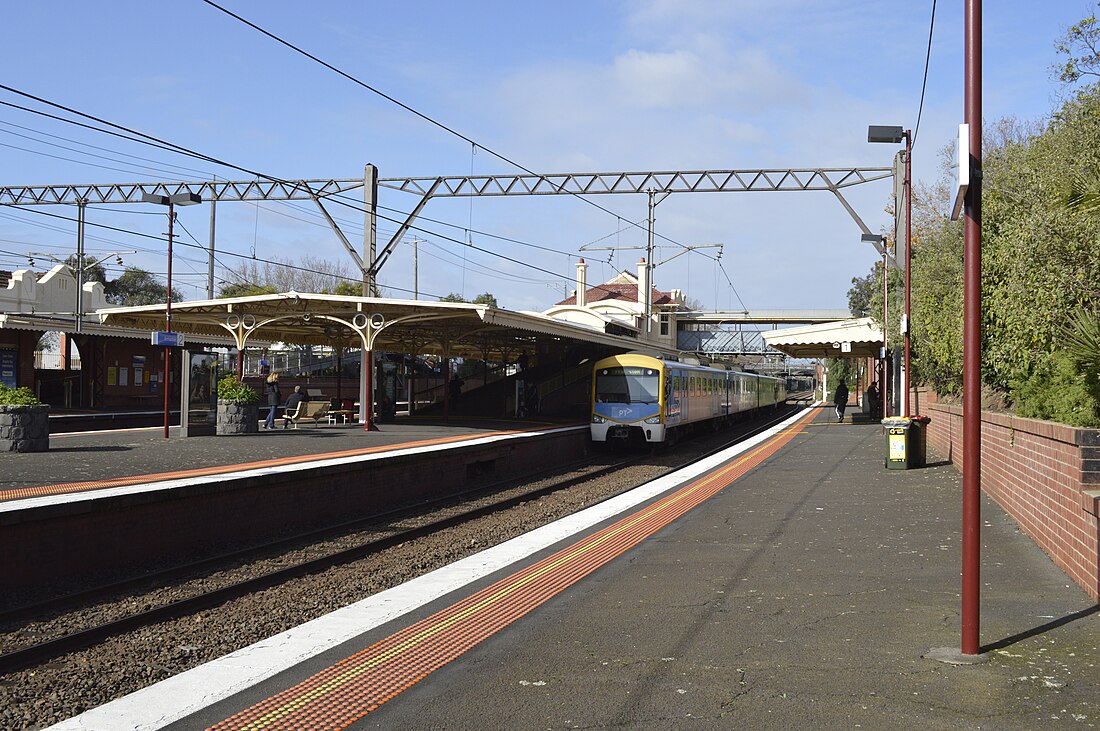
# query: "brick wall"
1045,475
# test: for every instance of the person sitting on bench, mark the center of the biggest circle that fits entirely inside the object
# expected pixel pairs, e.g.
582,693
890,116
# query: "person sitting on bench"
292,405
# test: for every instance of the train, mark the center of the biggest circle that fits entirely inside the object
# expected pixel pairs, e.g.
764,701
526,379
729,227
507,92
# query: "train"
643,398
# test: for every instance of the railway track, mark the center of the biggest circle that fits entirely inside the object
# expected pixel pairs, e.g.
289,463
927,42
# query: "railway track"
42,652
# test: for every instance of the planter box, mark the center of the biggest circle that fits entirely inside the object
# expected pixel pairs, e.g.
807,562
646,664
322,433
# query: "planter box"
234,418
24,428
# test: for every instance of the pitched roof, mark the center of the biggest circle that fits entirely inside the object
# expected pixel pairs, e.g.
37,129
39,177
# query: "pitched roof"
620,292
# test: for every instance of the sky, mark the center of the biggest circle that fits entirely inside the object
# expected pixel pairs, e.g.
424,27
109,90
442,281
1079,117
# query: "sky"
562,87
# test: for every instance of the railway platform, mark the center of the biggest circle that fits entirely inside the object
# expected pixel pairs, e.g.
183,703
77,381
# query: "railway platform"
116,503
793,582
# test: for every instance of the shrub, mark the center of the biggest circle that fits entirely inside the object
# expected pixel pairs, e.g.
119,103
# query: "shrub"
18,396
1056,390
238,392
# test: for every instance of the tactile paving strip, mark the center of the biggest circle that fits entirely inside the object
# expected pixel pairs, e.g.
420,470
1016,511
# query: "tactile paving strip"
70,487
347,691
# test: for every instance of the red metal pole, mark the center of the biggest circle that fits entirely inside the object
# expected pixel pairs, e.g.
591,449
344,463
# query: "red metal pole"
972,340
168,318
368,397
446,388
885,343
908,264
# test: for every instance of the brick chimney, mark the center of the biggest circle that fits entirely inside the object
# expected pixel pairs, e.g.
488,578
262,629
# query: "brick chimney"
582,284
643,282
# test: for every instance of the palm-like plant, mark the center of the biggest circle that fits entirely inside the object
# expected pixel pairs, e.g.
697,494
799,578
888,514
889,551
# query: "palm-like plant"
1081,193
1082,340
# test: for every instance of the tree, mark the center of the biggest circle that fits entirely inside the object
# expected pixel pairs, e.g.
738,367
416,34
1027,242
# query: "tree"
93,272
245,289
1081,45
308,274
485,299
863,291
137,287
348,289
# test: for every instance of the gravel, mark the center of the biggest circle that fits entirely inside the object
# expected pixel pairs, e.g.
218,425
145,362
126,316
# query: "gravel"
49,693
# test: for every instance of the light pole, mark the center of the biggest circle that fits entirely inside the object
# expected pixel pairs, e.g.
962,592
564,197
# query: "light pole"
894,135
177,199
879,241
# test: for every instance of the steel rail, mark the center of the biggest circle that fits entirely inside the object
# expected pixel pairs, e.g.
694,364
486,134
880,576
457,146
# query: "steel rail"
32,655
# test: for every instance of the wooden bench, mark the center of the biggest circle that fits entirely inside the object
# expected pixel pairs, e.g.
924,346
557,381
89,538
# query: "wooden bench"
308,411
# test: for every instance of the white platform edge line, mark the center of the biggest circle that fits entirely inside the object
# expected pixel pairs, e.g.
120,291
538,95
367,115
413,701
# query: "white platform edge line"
161,485
177,697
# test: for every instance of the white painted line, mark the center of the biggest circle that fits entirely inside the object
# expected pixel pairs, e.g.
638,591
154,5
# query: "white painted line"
166,485
189,692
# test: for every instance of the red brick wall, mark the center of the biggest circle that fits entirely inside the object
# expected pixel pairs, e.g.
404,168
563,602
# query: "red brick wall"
1044,475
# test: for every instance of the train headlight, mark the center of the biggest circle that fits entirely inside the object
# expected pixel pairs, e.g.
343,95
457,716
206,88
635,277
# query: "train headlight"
597,419
653,420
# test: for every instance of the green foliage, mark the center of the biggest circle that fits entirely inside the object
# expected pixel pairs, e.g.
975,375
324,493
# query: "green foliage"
238,392
348,289
485,299
1055,390
1081,46
482,299
93,272
841,369
862,292
244,289
1040,268
21,396
137,287
1082,341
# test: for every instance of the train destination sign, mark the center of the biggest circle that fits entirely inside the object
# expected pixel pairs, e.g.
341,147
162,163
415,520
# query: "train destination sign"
168,340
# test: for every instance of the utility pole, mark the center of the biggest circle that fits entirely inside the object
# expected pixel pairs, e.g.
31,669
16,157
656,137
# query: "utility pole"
416,266
370,226
210,260
80,206
972,341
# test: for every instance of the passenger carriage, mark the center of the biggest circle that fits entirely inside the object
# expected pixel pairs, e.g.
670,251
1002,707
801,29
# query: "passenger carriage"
636,396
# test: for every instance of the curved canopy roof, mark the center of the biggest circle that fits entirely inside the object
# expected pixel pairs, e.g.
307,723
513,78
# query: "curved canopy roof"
402,326
862,336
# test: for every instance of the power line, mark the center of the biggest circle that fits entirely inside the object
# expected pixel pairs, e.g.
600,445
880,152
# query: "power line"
90,154
185,151
924,84
474,144
101,149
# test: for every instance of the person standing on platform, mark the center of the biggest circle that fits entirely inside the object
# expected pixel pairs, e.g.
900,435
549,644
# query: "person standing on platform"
874,404
273,398
840,398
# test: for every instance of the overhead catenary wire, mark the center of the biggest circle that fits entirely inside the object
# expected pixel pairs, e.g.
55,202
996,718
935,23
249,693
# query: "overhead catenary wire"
924,84
162,144
475,145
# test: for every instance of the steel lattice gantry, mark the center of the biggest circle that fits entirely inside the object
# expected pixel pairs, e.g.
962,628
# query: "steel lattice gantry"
833,180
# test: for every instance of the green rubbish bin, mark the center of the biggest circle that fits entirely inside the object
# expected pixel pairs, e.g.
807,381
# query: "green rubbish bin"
906,441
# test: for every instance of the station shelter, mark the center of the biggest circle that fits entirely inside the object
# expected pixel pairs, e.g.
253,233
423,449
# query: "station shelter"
562,351
858,339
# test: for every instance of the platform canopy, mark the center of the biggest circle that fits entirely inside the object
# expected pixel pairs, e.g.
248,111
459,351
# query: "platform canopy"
854,338
400,326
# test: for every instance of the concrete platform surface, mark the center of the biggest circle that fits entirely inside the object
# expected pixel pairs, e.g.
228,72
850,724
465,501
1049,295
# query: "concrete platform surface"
804,595
105,455
808,593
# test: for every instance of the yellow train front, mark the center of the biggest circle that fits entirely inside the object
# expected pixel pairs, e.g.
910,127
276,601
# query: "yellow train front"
639,397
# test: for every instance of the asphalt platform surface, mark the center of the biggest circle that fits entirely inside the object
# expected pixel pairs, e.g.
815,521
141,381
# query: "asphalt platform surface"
104,455
806,594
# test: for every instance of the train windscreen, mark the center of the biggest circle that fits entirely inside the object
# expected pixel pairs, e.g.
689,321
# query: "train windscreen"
628,385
